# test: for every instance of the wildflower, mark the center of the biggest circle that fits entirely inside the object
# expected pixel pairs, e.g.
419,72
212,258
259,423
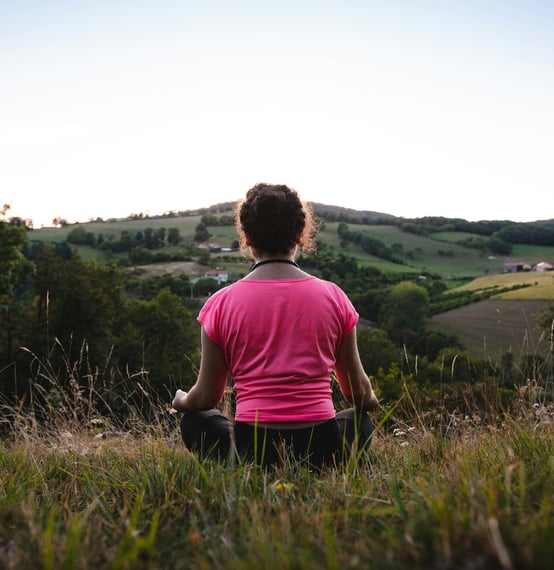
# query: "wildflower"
279,486
283,488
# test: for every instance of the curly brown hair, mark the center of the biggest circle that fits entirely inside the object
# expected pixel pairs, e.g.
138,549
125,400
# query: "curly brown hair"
273,219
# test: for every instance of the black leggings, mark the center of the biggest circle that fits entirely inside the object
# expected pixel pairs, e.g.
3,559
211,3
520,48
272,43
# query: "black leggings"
209,434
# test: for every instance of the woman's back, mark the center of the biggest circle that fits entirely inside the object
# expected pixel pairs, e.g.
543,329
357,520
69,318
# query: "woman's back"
280,339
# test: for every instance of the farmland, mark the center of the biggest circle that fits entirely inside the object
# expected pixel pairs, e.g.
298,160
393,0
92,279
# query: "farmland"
491,328
439,254
506,322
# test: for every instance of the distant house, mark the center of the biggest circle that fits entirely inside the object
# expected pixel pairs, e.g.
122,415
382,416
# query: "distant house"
212,246
515,267
220,275
544,266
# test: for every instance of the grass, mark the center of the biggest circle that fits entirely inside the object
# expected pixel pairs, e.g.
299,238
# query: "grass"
438,489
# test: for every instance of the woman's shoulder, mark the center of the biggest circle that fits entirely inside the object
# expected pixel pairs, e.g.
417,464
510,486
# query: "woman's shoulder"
328,285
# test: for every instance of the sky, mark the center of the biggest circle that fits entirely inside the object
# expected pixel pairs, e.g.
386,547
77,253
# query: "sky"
406,107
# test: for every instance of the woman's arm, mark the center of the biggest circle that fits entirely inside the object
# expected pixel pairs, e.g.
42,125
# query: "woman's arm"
210,385
353,380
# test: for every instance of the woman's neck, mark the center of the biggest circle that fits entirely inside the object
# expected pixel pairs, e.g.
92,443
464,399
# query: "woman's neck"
273,260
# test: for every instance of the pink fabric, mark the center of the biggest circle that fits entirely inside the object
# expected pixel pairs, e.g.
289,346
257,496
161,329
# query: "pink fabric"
280,338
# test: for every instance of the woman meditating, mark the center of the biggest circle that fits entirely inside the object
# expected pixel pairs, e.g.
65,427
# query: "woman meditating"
279,333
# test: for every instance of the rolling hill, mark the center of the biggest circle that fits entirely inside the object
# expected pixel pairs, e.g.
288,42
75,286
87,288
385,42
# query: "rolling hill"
505,322
440,253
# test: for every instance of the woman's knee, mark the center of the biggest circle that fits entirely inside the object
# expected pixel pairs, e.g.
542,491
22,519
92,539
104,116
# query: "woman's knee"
355,426
207,433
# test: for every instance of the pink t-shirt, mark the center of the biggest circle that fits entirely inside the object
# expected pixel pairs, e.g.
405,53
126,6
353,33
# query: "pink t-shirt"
280,339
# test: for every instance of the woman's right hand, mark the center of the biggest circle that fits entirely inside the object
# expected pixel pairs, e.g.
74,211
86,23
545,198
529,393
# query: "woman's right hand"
179,400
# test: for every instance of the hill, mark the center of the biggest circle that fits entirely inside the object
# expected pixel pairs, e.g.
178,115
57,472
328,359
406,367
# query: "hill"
505,322
442,253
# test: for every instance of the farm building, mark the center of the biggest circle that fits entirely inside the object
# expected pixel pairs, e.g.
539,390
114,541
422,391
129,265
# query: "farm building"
220,275
515,267
543,266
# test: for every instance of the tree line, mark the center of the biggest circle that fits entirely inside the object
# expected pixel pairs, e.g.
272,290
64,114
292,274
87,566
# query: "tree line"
80,319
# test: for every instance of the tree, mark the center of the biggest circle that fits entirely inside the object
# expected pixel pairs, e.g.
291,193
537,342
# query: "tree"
174,236
160,337
498,245
405,313
204,258
14,291
201,233
78,303
149,238
377,351
80,236
159,238
546,322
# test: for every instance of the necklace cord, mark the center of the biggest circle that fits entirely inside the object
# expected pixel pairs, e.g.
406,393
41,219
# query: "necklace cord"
265,261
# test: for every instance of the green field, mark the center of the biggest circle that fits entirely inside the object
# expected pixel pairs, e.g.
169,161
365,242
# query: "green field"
185,224
422,253
438,254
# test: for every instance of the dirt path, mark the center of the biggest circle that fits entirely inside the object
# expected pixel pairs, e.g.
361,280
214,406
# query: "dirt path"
174,268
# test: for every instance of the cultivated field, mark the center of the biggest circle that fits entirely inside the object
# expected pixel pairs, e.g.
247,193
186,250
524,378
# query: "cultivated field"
493,327
540,285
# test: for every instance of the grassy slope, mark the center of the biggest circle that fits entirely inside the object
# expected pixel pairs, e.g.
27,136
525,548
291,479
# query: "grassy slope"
541,285
437,490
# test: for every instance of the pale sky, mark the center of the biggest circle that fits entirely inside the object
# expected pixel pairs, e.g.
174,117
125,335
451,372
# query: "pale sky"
407,107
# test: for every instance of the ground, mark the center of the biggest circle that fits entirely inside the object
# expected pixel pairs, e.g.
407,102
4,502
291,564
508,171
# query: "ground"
190,268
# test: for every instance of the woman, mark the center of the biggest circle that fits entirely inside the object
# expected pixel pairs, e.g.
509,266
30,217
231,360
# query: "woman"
279,333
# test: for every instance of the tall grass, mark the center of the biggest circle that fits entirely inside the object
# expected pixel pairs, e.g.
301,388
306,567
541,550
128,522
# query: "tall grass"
438,489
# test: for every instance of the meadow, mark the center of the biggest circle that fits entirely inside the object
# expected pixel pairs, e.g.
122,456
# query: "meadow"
440,488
